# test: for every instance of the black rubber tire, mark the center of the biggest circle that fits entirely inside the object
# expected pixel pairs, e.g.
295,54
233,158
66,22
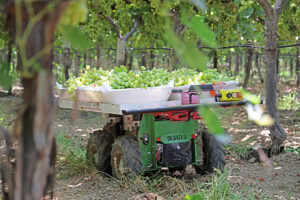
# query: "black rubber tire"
100,143
126,151
213,155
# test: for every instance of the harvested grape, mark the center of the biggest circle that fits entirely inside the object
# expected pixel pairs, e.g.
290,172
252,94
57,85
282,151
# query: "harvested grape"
121,78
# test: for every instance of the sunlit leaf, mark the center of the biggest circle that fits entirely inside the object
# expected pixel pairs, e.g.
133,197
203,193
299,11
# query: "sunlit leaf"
250,97
237,2
259,11
247,13
191,56
256,113
76,37
6,79
265,120
200,29
188,197
194,197
212,121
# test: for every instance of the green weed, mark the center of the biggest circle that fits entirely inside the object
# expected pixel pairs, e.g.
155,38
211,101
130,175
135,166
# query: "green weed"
211,187
289,102
219,189
71,159
298,113
295,150
284,74
6,115
239,150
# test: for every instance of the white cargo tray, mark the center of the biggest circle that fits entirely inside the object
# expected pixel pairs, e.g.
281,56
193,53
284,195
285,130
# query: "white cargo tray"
125,109
119,96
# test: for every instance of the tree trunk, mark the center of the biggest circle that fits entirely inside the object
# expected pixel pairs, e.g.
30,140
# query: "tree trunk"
277,62
90,59
215,60
98,62
107,59
67,62
174,62
298,67
277,133
168,58
122,39
77,64
110,58
291,66
143,59
258,67
120,52
130,61
9,61
178,29
84,60
147,60
285,64
126,57
248,65
152,58
156,61
242,59
229,62
66,72
33,130
237,63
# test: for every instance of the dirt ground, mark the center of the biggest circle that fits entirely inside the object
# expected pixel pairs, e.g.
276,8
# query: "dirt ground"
281,181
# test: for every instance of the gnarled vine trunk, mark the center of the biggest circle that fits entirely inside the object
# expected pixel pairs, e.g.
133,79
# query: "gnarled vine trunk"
215,59
278,135
67,62
77,63
122,39
121,51
229,60
237,64
99,55
258,68
272,14
248,65
291,66
178,29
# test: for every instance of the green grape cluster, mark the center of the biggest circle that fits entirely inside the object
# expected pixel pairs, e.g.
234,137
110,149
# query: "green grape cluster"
213,76
91,77
75,13
185,76
121,78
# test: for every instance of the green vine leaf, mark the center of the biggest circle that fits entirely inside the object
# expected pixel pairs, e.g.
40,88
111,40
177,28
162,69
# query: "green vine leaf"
247,13
75,36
